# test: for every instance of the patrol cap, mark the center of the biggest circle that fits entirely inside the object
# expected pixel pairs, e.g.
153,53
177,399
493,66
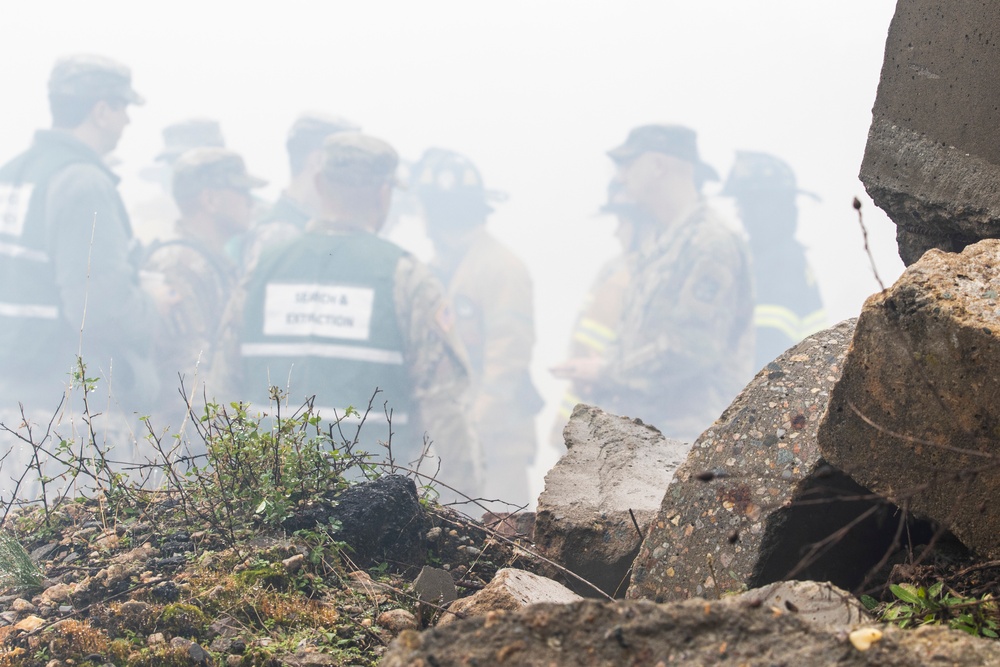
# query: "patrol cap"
360,160
310,129
187,134
211,168
92,76
754,172
674,140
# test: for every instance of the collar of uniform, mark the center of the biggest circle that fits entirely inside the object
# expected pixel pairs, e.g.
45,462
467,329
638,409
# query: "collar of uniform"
324,226
656,245
64,141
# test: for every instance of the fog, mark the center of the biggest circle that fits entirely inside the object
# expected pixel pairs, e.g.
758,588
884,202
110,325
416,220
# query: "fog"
533,92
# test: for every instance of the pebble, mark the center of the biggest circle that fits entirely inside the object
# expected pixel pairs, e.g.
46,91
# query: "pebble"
23,606
397,620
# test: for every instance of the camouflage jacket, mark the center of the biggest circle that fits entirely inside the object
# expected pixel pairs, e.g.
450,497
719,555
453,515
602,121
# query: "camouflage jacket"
203,280
685,337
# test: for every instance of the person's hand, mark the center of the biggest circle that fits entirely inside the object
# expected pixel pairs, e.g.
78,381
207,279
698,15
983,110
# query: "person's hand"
579,369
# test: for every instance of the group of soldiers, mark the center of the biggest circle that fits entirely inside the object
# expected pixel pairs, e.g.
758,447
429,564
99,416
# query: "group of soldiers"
308,296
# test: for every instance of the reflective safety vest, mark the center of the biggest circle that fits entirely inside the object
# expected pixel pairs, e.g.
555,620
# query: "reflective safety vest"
33,334
320,319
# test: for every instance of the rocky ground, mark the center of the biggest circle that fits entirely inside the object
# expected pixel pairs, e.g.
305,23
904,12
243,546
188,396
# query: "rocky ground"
150,586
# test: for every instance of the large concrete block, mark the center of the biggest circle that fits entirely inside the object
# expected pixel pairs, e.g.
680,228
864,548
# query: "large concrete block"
932,161
612,476
915,415
754,495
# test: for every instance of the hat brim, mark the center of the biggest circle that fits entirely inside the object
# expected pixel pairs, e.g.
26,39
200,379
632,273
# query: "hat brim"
706,172
133,97
248,182
622,153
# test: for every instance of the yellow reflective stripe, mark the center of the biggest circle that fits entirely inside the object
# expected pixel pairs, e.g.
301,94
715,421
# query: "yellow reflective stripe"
787,322
594,335
589,341
777,317
813,322
598,329
568,402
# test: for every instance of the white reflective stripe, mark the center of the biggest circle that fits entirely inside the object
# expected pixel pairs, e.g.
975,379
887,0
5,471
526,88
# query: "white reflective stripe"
29,310
14,250
325,350
377,414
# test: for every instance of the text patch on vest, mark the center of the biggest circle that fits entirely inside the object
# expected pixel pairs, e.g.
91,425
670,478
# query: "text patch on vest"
14,200
329,311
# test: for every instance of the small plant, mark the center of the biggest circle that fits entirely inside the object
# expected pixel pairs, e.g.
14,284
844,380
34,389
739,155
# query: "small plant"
916,606
17,570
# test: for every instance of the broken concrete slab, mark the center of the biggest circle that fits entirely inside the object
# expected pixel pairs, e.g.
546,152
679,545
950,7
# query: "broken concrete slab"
914,417
509,590
755,495
611,478
932,161
693,632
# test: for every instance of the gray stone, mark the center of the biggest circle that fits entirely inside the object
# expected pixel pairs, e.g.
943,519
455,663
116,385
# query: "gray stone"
693,632
44,552
932,161
755,495
381,520
914,417
509,590
615,468
435,585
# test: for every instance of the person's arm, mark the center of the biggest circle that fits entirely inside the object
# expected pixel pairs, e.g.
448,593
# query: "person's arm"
438,371
92,248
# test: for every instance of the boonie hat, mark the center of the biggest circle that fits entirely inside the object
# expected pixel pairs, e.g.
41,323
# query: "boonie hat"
93,76
674,140
211,168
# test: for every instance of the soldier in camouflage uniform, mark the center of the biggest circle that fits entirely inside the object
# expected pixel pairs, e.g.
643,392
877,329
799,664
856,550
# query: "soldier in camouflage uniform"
155,217
212,190
298,202
789,307
339,312
491,293
685,337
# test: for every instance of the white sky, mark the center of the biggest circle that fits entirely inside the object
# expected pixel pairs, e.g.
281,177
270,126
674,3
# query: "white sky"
534,91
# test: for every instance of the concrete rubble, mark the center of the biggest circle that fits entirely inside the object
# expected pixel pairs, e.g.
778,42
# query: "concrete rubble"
733,630
914,417
510,590
611,478
755,495
932,161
